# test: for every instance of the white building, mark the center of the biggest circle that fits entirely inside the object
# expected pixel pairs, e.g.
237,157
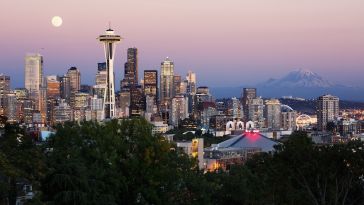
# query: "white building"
179,110
193,149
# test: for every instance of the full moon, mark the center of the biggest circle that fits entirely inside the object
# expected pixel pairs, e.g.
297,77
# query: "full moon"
56,21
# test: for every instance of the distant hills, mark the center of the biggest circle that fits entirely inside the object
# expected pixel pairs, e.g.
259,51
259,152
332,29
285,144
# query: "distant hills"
298,83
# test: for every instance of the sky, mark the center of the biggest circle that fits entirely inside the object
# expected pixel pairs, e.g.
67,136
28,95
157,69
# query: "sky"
227,43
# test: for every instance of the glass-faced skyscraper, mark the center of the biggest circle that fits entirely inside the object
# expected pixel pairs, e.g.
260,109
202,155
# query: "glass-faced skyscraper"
33,72
109,40
166,83
131,68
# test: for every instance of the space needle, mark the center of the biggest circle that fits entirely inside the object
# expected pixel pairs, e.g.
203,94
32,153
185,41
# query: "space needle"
109,40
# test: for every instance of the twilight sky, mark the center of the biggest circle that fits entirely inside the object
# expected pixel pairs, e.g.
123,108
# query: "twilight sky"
227,43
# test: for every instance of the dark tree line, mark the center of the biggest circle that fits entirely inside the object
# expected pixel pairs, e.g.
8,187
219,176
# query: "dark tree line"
121,162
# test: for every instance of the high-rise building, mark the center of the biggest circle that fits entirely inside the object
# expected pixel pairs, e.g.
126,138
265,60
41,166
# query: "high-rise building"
4,90
166,83
137,101
53,87
288,118
101,74
75,79
109,40
33,77
256,112
237,110
273,114
179,110
151,84
131,68
177,80
62,113
191,91
124,103
248,94
327,110
65,88
10,107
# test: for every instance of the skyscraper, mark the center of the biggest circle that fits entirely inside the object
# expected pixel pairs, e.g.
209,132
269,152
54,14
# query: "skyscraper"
327,110
65,88
109,40
33,72
53,87
191,91
75,79
151,84
131,67
248,95
4,90
137,101
256,112
179,110
101,74
273,114
177,80
166,83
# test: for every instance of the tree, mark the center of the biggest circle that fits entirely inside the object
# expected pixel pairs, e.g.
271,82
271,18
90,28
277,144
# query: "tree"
20,159
118,162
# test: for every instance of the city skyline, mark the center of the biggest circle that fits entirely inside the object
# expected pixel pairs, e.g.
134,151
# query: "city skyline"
215,41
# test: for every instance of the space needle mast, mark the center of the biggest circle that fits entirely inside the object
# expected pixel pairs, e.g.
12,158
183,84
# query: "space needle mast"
109,40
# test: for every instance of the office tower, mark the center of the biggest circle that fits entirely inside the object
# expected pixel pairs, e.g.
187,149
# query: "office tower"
65,88
237,110
248,94
124,103
327,110
96,111
4,89
191,91
166,84
131,68
203,95
179,110
10,107
288,118
101,74
62,112
177,80
191,79
208,110
33,72
75,79
109,40
53,87
272,113
81,100
74,76
137,101
151,84
255,112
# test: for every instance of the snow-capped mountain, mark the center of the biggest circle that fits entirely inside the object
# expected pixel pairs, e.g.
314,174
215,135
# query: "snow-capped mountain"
298,83
299,78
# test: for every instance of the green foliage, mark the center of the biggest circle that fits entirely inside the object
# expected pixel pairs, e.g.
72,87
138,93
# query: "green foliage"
20,159
119,162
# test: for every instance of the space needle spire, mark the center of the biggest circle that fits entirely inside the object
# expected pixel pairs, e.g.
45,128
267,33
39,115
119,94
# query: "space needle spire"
109,41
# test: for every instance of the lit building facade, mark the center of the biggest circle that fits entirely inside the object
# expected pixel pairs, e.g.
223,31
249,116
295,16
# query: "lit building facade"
327,110
272,113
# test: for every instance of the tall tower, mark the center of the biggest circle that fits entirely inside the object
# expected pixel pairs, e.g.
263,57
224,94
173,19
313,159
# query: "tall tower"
327,110
166,83
131,67
109,40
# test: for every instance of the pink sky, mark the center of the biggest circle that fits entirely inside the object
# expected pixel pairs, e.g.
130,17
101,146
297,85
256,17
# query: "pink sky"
244,41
